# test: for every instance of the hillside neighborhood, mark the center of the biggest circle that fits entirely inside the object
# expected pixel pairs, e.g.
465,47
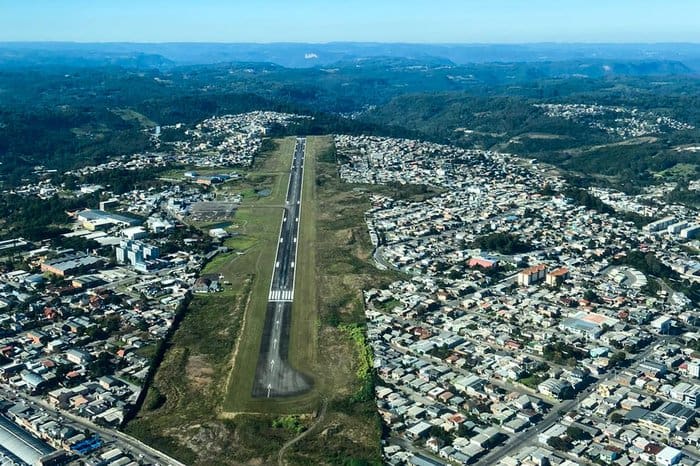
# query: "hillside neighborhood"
84,315
533,323
528,329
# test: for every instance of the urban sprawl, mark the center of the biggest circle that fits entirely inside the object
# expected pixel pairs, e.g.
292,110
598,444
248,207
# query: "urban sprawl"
527,328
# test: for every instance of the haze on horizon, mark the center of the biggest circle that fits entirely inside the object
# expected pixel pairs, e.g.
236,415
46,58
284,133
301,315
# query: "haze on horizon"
412,21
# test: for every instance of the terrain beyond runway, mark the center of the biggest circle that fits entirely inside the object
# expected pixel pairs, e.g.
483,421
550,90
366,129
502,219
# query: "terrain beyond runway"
274,376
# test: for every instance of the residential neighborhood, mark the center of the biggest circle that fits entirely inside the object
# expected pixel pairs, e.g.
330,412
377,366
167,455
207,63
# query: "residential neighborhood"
527,327
524,331
616,120
83,315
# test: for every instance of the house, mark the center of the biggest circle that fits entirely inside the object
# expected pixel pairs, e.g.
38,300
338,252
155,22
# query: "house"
33,381
77,356
487,437
556,430
207,284
420,430
219,233
553,387
668,456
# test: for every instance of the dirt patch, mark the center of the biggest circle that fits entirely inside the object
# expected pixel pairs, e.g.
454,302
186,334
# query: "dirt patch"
208,439
199,372
344,237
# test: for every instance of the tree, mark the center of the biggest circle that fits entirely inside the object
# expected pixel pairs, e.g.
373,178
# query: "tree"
102,365
439,433
618,358
617,418
464,430
559,444
504,243
590,295
576,433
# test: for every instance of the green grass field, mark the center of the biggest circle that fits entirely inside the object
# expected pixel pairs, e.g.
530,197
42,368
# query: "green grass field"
129,114
680,170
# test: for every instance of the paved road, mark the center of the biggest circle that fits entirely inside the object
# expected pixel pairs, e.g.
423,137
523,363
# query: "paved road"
529,436
126,442
274,376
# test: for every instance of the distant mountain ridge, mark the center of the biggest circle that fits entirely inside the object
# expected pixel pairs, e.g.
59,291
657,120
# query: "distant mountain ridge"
303,55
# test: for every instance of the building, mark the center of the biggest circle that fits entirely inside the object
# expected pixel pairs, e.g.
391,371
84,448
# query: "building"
532,275
33,381
554,388
662,324
210,180
19,445
470,384
557,276
668,456
70,264
676,228
587,324
134,233
652,368
77,356
109,204
158,225
691,232
668,418
99,219
484,262
10,244
219,233
687,394
207,284
87,281
137,253
420,430
659,224
57,458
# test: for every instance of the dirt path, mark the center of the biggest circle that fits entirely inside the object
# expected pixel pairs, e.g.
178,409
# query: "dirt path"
285,447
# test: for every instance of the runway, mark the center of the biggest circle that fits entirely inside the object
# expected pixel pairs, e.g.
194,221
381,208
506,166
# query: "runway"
274,376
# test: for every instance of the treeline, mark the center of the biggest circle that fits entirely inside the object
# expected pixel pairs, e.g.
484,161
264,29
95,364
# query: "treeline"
63,139
121,181
633,165
36,219
504,243
584,198
649,264
682,195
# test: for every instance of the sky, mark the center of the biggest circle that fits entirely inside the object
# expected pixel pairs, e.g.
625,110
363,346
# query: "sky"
416,21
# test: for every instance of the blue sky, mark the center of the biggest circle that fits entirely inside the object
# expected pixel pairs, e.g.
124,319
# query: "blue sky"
457,21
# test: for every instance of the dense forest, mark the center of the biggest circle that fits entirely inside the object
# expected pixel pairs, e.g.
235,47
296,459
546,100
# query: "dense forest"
63,116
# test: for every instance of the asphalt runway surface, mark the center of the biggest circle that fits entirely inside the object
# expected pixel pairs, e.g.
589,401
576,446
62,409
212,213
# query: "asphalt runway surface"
274,376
